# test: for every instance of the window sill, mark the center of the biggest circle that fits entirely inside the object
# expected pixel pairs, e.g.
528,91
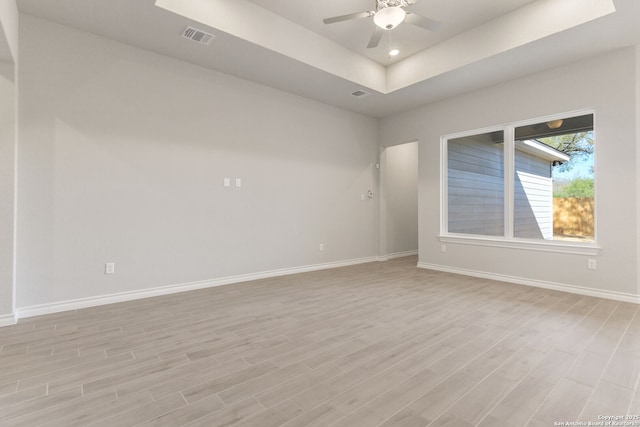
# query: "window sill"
529,245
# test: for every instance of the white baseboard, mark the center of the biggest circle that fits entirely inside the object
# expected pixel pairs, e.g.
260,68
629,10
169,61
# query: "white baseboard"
56,307
7,320
395,255
580,290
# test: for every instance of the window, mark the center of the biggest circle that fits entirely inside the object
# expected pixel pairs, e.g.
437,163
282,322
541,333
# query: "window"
526,182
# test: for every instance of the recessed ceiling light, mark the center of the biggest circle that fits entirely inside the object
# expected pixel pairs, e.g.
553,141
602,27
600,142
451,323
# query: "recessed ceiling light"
394,52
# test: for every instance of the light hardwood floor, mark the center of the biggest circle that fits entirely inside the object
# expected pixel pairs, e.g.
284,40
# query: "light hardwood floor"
381,344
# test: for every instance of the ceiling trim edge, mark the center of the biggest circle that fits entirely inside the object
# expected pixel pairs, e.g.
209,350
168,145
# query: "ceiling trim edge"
250,22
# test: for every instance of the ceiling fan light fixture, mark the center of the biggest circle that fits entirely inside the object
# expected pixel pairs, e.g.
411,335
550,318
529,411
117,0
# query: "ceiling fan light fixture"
389,17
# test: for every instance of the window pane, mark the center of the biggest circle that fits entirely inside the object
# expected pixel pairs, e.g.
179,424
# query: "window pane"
476,184
554,180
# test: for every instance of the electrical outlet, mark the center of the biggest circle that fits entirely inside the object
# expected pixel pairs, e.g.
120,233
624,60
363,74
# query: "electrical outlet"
238,182
443,248
321,247
591,264
110,268
226,182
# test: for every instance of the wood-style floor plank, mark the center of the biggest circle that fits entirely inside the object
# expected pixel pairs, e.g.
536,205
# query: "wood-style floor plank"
379,344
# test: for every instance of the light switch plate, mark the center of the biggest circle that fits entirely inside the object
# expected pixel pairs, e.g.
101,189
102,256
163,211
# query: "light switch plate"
110,268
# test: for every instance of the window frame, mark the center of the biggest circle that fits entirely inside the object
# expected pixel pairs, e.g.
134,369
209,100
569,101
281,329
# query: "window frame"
508,240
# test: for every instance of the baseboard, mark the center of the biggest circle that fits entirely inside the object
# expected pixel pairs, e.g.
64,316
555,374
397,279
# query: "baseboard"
580,290
7,320
56,307
397,255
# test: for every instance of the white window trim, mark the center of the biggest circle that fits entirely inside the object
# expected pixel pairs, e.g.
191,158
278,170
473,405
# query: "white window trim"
508,240
532,245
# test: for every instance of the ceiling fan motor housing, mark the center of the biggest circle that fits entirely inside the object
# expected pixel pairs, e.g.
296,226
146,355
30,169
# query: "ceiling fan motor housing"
383,4
387,15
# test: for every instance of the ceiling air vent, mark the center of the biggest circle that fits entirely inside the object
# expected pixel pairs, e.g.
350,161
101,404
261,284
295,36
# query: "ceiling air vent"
197,35
360,94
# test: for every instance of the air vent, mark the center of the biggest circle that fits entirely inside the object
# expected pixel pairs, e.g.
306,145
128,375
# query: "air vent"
360,94
197,35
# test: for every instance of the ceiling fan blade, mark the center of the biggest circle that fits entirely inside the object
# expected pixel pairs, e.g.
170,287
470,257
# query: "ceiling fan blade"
348,17
421,21
375,37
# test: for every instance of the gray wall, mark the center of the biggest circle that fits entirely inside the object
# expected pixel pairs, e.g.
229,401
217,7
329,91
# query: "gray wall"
400,185
610,79
122,159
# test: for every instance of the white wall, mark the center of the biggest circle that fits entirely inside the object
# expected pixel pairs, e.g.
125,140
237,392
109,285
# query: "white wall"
637,182
606,83
122,157
399,180
7,188
9,18
8,59
123,152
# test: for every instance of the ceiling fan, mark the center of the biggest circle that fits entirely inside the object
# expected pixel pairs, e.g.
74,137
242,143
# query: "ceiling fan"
387,15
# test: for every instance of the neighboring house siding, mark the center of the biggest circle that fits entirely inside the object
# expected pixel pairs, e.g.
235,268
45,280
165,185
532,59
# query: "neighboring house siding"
533,197
476,190
475,186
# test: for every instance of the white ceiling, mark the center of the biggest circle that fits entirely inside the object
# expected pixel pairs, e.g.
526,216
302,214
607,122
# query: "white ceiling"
283,43
457,16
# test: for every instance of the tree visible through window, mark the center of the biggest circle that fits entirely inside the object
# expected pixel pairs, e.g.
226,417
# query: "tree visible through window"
574,187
